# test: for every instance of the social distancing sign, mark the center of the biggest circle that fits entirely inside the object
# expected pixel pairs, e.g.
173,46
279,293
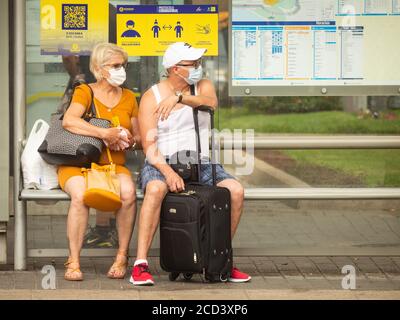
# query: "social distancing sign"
146,30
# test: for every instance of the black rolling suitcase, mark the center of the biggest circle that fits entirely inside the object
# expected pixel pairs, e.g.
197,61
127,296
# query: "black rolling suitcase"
195,226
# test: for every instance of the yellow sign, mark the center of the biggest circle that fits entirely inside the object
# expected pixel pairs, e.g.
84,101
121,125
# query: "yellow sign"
72,26
148,30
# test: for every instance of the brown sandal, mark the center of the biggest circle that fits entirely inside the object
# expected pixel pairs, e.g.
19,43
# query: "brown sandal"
118,266
72,274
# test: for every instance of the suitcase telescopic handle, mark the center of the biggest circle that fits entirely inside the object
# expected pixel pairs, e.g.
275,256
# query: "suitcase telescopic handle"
209,110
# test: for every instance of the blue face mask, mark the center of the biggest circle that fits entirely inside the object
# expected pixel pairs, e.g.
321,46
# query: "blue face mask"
195,75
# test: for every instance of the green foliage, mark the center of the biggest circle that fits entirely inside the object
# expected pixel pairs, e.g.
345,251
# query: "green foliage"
376,168
332,122
276,105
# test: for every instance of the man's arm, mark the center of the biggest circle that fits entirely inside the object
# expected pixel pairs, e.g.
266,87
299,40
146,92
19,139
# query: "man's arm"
206,95
148,133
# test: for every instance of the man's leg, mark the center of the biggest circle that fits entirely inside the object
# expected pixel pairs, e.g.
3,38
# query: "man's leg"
150,215
148,222
237,198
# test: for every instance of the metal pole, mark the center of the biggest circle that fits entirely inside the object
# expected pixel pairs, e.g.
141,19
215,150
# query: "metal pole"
4,129
311,141
19,133
301,193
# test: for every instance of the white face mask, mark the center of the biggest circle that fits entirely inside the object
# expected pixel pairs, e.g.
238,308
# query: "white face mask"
117,76
195,75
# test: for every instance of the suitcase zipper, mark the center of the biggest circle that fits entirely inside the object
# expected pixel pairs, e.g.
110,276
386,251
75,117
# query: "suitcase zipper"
188,193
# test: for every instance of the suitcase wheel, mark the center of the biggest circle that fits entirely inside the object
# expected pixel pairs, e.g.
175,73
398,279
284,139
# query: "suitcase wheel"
223,277
187,276
173,276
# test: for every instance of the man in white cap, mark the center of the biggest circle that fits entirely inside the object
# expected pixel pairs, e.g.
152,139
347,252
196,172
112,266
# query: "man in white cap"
166,127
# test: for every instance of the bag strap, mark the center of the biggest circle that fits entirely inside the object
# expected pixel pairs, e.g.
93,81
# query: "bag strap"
196,128
92,112
93,109
96,113
109,155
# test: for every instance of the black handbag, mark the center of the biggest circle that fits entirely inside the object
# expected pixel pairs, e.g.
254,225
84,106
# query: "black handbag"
62,147
185,164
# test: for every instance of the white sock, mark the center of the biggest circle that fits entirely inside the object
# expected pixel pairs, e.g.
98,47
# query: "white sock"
140,261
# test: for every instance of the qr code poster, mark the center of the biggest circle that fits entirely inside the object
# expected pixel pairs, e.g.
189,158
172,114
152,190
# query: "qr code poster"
74,17
72,26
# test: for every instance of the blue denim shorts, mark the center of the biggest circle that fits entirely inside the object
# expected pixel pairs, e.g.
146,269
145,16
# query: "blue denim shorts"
149,173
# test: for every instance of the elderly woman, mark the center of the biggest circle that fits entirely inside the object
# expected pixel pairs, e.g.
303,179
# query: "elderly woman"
107,64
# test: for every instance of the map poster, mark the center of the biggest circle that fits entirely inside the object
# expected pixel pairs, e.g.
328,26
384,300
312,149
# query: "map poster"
147,30
72,26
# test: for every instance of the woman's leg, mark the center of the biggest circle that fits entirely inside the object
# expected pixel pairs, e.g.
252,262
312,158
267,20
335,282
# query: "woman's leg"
127,213
77,217
125,222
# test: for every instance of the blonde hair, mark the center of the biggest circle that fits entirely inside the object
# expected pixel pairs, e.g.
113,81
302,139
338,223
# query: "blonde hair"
103,52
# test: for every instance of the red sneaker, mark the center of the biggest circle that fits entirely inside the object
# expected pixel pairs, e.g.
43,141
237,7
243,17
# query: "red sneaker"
141,275
237,276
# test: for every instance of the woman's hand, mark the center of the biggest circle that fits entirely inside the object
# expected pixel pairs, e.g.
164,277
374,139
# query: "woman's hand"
124,141
125,135
164,107
111,136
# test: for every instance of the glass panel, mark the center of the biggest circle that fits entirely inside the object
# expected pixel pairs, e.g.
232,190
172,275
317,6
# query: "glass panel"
318,168
314,115
319,227
45,75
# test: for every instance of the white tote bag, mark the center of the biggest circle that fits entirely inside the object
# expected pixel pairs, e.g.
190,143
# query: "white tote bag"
37,173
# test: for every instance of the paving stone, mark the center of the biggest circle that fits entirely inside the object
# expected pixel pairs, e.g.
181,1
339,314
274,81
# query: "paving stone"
320,259
299,284
267,267
319,283
61,283
25,280
111,284
305,266
376,276
396,260
276,283
7,282
90,283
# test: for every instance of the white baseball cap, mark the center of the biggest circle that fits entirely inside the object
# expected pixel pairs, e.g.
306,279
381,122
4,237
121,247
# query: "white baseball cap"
179,51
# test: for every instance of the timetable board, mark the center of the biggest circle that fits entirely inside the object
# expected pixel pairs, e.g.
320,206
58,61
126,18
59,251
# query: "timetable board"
309,47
